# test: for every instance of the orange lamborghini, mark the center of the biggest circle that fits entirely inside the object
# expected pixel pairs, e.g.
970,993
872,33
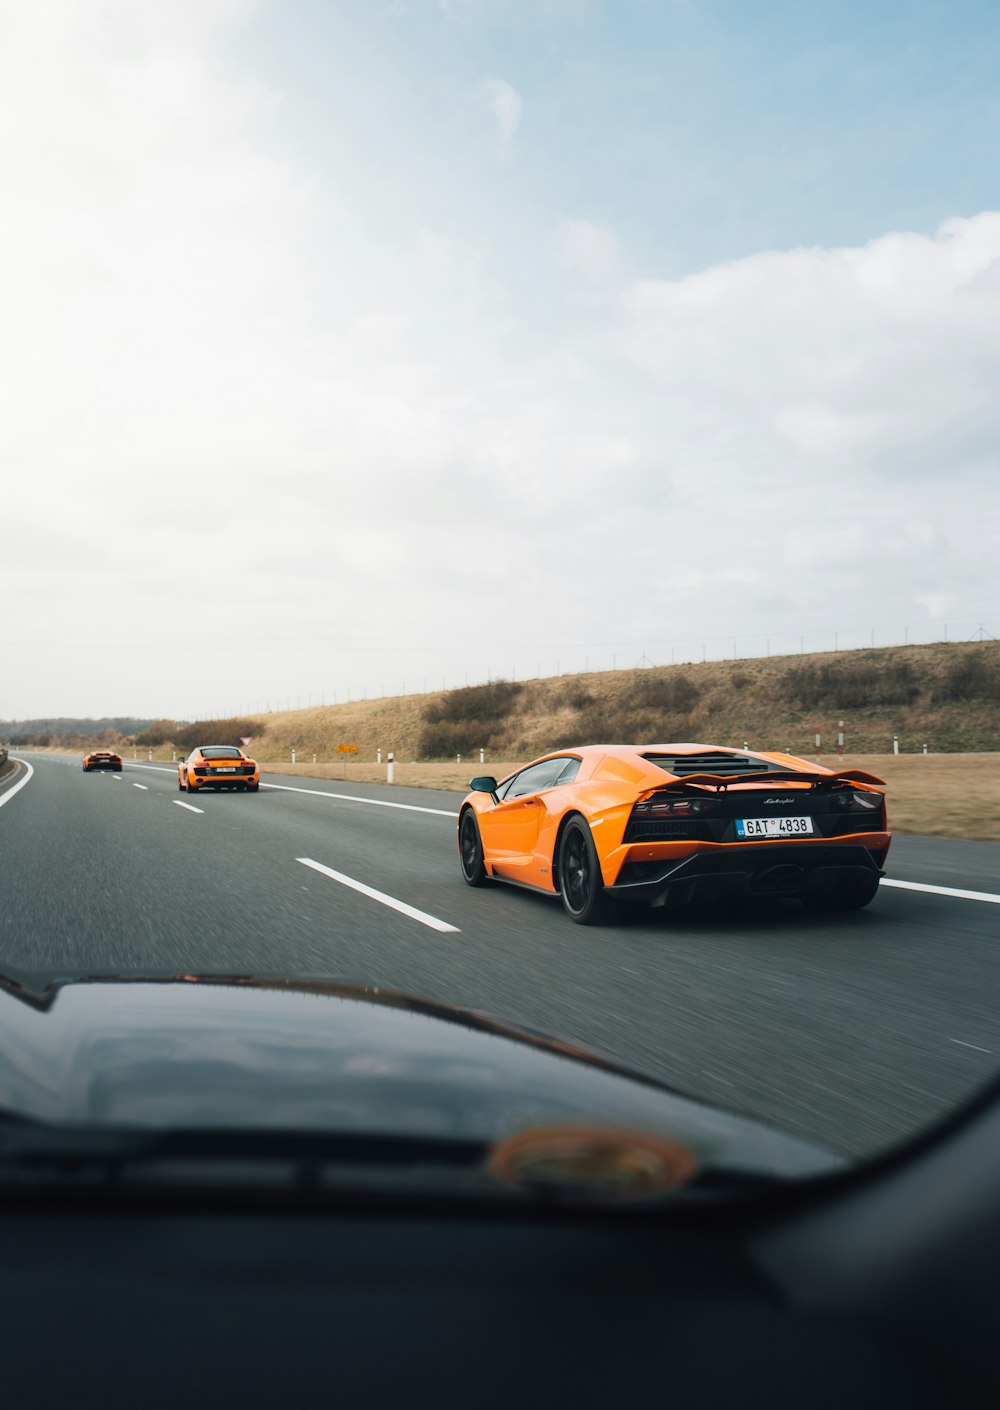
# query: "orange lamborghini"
666,824
217,766
102,759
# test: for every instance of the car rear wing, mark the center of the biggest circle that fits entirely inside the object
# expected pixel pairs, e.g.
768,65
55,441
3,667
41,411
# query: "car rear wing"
720,782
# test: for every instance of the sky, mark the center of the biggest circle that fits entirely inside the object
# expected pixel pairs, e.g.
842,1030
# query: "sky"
362,348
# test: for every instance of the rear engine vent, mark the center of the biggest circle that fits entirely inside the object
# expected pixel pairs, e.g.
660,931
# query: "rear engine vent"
713,763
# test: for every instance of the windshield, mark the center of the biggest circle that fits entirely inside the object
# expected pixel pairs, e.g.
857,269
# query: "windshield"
597,401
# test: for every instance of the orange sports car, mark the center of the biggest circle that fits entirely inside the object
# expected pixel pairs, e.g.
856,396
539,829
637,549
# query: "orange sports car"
217,766
667,824
102,759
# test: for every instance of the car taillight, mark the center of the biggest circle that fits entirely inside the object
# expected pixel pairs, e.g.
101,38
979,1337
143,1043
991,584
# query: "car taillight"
675,808
859,802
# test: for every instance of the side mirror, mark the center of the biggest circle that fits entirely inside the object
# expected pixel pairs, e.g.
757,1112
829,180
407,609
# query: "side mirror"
485,784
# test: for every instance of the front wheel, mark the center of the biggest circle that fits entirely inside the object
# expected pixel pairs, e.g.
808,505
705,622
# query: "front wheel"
578,872
470,850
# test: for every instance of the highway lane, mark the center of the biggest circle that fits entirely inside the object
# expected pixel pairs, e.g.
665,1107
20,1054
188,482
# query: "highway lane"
851,1030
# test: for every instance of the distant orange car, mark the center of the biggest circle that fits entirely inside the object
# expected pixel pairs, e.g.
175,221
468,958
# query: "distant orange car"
102,759
217,766
667,824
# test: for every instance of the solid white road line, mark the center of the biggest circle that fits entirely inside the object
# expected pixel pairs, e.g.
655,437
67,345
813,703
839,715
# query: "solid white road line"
349,798
319,793
143,786
944,891
190,806
8,795
370,891
973,1046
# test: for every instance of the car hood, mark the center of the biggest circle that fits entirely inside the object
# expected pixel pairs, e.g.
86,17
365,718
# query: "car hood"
197,1052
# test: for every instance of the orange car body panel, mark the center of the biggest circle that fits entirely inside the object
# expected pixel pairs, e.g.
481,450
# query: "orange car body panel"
227,770
519,836
102,759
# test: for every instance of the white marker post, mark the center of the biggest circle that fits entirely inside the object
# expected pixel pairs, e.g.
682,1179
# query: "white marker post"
293,756
378,756
482,756
390,765
840,741
819,742
895,743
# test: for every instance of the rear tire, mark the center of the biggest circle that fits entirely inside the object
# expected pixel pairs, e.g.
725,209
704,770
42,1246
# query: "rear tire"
854,896
253,787
578,872
470,850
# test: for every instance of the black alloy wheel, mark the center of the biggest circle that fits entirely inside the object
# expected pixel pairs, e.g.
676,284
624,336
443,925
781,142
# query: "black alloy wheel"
852,895
470,850
579,875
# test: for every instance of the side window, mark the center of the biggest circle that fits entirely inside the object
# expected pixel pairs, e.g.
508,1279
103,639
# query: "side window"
540,776
569,772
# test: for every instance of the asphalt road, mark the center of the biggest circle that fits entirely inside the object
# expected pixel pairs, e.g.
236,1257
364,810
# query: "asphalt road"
850,1030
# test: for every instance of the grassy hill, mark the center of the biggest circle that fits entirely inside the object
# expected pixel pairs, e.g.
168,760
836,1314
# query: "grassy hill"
946,696
71,731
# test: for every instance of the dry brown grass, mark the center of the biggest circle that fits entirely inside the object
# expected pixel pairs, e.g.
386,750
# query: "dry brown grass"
947,693
932,795
939,795
729,702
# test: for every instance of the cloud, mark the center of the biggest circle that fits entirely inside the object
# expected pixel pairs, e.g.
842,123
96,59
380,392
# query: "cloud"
234,391
591,251
505,105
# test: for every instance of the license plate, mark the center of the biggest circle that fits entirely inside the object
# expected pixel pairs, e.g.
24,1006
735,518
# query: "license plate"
224,771
774,827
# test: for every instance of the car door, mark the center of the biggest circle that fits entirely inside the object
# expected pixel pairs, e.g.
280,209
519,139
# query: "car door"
511,833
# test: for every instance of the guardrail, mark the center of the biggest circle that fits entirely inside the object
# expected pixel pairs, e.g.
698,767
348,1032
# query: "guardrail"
3,756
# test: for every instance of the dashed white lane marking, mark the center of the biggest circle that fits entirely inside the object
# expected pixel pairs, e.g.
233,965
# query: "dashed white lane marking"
117,778
973,1046
190,806
142,786
944,891
8,795
411,911
320,793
